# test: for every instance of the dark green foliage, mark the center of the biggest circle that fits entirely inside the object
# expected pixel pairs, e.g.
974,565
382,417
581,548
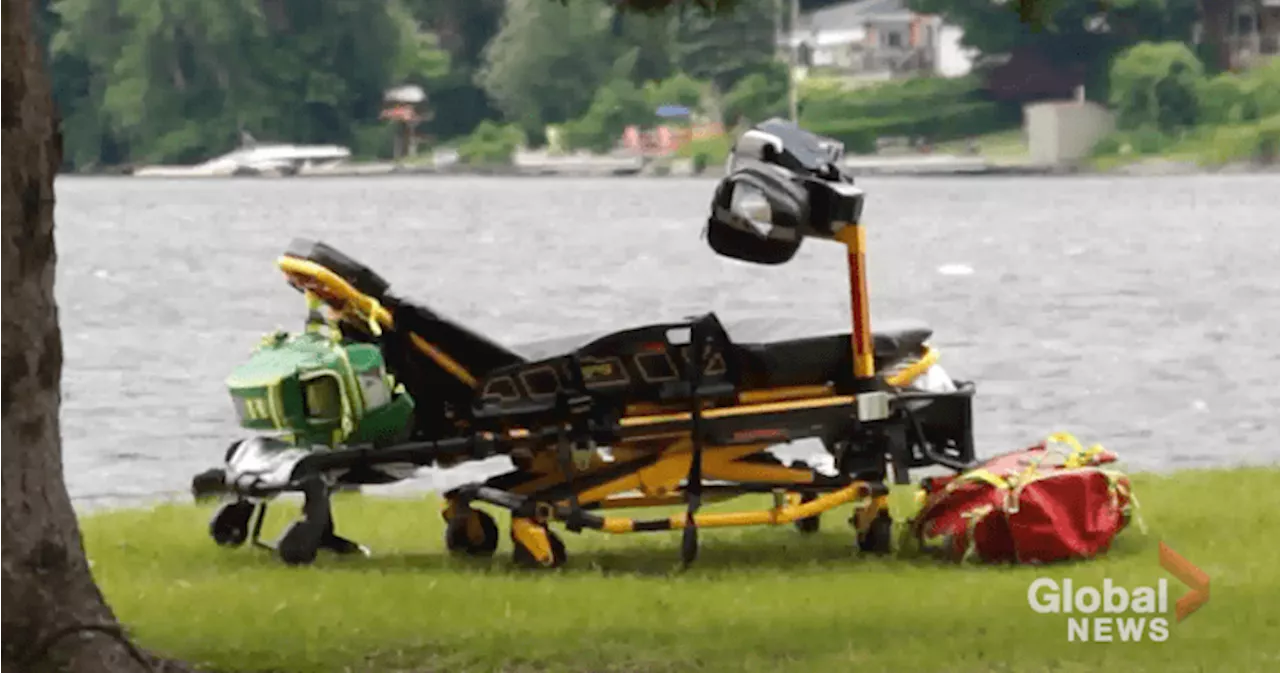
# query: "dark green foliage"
889,99
1082,33
615,106
140,81
612,70
177,81
935,109
1166,104
933,124
725,48
621,103
1155,85
758,96
463,29
490,145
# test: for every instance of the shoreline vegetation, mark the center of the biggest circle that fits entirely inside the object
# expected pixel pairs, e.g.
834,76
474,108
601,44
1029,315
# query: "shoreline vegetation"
472,77
1168,115
622,604
1171,118
1183,158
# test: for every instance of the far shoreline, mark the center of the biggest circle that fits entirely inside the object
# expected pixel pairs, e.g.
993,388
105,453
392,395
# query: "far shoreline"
925,166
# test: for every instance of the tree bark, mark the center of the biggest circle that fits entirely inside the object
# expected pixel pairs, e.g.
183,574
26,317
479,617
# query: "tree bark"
54,616
1215,18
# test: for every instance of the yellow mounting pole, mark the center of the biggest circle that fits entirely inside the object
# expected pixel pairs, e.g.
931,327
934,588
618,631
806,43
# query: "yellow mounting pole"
854,238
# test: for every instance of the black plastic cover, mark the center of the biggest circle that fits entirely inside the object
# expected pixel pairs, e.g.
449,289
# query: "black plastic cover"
798,173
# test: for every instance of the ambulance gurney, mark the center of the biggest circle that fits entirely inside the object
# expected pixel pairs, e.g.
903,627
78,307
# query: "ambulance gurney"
378,386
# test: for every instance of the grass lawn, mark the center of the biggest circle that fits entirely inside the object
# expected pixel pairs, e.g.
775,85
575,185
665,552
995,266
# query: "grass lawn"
1003,146
758,599
1205,146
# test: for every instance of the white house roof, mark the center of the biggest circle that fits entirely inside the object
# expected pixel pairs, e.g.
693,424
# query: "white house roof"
408,93
891,17
850,15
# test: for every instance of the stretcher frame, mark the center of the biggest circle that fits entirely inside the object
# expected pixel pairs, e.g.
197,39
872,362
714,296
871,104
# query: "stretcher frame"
662,455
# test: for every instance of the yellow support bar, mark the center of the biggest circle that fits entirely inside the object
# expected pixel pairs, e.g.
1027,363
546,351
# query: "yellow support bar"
917,368
776,516
854,237
742,410
347,300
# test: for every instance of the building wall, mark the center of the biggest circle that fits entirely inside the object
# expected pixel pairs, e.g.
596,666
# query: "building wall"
878,35
833,47
865,49
1062,132
953,59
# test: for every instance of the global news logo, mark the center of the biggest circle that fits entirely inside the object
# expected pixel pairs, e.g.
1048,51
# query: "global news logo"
1127,614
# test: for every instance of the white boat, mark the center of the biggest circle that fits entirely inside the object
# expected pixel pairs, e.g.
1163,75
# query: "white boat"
254,158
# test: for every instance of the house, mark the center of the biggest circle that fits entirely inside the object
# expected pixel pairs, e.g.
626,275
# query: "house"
1253,35
878,39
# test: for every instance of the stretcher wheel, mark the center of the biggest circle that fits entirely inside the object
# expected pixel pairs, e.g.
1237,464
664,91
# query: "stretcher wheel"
229,526
808,525
475,534
300,543
524,558
878,538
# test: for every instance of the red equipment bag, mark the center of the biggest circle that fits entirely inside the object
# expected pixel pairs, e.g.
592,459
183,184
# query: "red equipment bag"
1037,505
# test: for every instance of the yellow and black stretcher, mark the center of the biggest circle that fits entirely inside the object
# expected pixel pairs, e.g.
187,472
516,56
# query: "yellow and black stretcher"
680,413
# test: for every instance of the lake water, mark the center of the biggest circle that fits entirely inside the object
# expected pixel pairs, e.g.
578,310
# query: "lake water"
1136,312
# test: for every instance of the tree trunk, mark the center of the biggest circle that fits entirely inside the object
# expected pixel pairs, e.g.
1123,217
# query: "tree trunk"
54,616
1215,19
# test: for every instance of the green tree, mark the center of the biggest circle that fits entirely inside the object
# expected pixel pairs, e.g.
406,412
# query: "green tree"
490,144
547,61
177,80
1155,85
615,106
758,96
463,28
1085,33
679,89
725,47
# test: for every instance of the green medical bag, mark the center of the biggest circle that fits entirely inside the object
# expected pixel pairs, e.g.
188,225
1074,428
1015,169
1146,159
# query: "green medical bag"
313,390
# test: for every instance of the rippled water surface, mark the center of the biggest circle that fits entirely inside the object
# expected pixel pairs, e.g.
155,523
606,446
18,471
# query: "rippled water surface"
1137,312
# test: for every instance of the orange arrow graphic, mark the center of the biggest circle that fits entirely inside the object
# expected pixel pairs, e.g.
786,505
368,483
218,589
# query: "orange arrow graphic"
1188,574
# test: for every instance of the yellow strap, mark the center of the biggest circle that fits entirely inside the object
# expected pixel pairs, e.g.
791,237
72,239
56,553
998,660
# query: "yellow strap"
1079,456
903,378
364,306
1116,486
973,518
982,475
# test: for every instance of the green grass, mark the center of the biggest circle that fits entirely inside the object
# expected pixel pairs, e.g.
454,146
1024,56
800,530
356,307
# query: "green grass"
1206,146
1008,145
711,151
1200,147
759,599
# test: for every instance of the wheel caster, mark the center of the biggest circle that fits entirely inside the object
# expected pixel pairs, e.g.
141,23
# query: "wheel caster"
208,484
526,558
473,534
229,526
341,545
808,525
300,543
878,538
